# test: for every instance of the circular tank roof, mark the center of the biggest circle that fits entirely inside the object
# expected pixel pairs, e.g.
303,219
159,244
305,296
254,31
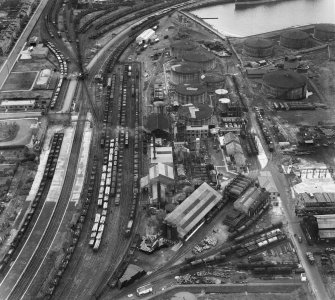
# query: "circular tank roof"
221,92
285,79
212,77
325,27
224,100
186,68
184,45
191,89
295,34
200,111
199,56
258,43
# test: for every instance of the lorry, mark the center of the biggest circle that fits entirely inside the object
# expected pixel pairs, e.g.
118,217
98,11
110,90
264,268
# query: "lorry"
310,258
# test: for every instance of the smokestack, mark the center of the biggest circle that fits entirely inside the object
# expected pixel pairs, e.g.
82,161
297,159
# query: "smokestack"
154,142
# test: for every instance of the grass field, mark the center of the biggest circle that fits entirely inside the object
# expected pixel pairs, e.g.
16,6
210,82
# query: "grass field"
19,81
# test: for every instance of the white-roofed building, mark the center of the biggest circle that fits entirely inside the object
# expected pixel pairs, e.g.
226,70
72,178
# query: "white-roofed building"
145,36
162,155
266,181
326,225
17,104
43,79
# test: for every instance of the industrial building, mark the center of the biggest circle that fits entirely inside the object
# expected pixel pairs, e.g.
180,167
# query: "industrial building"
146,36
132,273
204,58
285,84
39,52
43,79
237,187
200,114
294,39
158,173
179,48
17,104
326,227
193,132
258,47
180,223
158,125
213,81
190,93
315,204
324,32
162,155
266,181
185,73
251,201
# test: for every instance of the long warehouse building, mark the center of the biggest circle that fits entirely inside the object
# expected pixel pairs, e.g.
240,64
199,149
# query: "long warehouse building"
180,223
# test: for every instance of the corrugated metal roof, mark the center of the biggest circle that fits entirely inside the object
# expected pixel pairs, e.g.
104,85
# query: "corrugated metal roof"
266,181
193,209
326,221
327,234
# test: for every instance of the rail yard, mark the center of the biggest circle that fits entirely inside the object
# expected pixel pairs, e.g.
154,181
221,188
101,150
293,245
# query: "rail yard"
144,155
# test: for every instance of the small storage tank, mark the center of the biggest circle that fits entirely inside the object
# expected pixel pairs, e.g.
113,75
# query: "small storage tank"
179,48
324,32
285,84
295,39
204,58
213,81
185,73
258,47
190,93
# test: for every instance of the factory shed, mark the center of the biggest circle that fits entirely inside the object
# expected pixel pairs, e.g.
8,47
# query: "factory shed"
145,36
130,275
251,200
230,137
266,181
40,52
43,79
324,32
161,173
258,47
240,159
189,214
326,226
233,147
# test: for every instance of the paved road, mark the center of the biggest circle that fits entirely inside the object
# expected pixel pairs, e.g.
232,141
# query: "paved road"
9,63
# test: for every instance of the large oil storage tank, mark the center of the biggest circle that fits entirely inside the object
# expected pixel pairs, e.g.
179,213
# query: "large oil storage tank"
213,81
200,114
190,93
185,73
181,47
324,32
285,84
295,39
204,58
258,47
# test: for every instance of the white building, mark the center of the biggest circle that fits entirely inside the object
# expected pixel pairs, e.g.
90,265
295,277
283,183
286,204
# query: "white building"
145,36
17,104
266,181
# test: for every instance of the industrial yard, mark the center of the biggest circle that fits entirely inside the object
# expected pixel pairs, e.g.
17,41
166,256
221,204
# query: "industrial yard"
145,155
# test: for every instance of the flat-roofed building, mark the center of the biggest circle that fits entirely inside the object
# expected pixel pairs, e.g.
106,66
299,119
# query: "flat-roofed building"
190,214
17,104
162,155
193,132
326,226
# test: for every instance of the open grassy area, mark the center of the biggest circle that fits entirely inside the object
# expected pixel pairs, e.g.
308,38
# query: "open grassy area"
19,81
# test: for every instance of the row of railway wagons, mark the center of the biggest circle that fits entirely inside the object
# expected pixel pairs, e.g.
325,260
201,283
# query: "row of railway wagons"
63,69
76,229
49,171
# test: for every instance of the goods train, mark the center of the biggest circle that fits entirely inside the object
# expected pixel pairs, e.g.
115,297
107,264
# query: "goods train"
200,262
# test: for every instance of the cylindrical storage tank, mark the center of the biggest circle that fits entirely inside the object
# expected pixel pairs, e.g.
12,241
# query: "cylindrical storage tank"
190,93
204,58
324,32
185,73
200,114
223,105
179,48
258,47
285,84
213,81
295,39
